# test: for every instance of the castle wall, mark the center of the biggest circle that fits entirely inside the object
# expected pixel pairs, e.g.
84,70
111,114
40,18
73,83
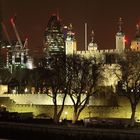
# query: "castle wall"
89,111
135,45
123,109
109,75
38,99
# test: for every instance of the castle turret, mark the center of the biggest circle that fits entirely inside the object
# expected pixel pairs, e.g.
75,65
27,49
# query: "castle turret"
120,37
135,43
92,45
70,41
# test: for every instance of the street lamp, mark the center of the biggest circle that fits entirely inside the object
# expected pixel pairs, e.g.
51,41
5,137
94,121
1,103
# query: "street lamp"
26,90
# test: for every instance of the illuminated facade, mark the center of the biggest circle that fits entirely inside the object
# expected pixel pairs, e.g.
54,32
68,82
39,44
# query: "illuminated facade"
17,56
107,58
135,43
92,45
57,42
54,38
104,55
120,38
70,42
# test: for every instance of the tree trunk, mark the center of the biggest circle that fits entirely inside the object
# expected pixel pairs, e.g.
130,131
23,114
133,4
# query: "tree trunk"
133,108
75,116
55,118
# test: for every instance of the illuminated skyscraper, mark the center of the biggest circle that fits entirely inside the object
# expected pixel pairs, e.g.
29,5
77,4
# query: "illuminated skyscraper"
54,37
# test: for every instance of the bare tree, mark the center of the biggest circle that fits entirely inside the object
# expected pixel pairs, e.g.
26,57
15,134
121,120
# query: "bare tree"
36,78
20,75
129,84
56,83
5,76
81,79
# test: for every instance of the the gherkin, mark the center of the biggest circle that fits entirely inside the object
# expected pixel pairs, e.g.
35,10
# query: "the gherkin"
54,37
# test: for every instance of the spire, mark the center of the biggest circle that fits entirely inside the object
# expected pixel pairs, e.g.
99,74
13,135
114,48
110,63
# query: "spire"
92,36
92,46
58,17
70,33
70,27
120,23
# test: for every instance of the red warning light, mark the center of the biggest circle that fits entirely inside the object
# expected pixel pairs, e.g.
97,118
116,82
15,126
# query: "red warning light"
11,19
126,40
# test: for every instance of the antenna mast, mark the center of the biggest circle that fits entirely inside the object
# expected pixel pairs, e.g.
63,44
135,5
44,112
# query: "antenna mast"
85,36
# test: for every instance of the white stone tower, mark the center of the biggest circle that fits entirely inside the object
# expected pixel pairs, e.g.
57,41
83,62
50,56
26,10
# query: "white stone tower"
120,38
70,42
135,43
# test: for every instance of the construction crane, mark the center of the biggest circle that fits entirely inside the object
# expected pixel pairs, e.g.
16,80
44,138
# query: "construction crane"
25,43
16,32
6,34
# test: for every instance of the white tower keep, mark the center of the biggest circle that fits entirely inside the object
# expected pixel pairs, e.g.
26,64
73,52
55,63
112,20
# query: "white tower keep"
135,43
120,38
70,41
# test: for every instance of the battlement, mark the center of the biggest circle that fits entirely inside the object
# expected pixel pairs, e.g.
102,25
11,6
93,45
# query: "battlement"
99,52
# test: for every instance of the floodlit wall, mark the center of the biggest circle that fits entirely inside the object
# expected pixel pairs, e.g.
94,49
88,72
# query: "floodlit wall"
38,99
3,89
109,74
135,45
123,110
99,99
89,111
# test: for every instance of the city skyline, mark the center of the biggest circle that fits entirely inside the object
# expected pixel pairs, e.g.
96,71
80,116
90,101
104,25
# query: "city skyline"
102,17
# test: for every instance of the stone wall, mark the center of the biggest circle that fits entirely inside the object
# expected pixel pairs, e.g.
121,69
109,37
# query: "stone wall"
123,109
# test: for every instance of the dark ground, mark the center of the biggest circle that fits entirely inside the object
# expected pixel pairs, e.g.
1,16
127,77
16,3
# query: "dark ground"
25,135
40,131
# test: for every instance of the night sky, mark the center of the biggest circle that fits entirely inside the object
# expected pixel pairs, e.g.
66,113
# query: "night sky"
101,16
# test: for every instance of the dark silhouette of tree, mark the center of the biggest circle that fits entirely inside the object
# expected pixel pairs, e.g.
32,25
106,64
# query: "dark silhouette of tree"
5,76
56,83
129,84
20,76
36,78
81,77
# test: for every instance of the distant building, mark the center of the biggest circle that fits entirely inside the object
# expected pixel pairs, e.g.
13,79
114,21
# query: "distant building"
135,43
17,56
60,40
54,38
70,41
92,45
120,38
